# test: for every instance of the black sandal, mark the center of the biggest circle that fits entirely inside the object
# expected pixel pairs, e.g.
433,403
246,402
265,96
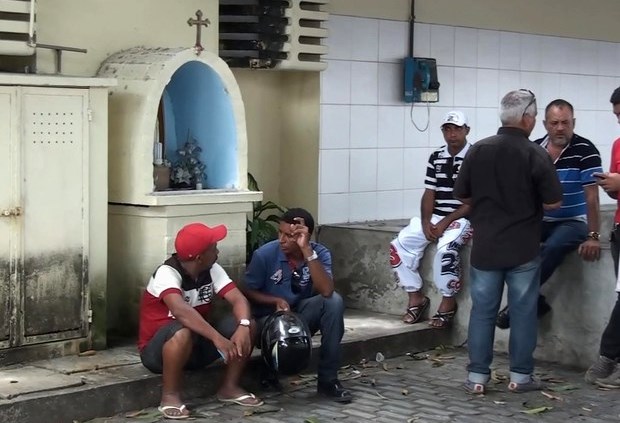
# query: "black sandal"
414,313
445,319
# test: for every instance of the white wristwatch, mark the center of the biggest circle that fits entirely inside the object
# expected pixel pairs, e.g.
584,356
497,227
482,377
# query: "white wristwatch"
314,256
244,322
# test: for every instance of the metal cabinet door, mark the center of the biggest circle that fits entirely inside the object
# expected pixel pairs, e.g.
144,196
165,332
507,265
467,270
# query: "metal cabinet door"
9,201
55,213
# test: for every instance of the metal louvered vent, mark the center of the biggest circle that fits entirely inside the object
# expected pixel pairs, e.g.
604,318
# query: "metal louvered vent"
273,34
17,27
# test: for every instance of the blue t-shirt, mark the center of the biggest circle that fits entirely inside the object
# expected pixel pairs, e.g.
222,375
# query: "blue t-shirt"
269,272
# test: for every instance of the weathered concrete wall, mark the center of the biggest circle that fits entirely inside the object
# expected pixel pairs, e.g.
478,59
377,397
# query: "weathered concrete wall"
581,294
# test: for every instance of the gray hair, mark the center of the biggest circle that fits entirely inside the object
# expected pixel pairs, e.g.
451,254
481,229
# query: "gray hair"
515,105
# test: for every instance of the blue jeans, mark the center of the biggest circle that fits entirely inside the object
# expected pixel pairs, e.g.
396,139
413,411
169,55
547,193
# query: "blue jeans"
327,315
559,239
487,287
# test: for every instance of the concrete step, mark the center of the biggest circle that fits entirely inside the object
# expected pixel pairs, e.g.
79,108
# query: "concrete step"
113,381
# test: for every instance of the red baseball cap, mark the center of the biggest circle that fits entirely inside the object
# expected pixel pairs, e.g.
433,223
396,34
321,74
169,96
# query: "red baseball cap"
195,238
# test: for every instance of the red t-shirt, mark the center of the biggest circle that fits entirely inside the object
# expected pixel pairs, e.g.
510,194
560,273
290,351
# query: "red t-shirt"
154,312
615,168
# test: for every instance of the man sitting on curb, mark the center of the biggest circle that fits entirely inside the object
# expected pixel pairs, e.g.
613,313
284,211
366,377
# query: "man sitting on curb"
293,273
174,333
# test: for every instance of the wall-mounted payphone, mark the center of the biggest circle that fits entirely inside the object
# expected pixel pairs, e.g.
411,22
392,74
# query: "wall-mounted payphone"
421,84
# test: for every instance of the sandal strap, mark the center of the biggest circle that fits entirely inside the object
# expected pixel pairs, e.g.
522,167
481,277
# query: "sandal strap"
416,311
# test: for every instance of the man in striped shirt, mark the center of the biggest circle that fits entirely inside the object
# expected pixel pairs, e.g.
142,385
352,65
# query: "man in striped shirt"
575,225
443,220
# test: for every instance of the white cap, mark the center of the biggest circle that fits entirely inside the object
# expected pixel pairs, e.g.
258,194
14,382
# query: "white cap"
455,118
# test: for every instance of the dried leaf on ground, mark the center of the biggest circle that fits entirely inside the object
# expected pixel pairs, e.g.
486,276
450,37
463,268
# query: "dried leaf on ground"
354,374
413,419
537,410
134,413
500,402
379,357
145,415
265,408
380,396
400,366
552,379
385,366
437,363
298,382
311,420
567,387
405,392
373,382
87,353
551,396
586,409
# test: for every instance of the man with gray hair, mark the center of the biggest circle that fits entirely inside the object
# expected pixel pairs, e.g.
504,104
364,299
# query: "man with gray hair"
507,180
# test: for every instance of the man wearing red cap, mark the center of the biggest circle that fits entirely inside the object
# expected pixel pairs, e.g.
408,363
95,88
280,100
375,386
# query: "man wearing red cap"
174,333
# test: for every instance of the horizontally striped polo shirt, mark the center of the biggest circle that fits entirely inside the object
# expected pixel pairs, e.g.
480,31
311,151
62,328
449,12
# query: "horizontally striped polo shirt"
575,166
441,172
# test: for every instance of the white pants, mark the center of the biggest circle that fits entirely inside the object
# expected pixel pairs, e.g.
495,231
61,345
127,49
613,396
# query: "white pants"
407,250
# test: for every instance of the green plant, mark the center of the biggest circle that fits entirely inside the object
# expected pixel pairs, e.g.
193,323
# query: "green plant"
262,226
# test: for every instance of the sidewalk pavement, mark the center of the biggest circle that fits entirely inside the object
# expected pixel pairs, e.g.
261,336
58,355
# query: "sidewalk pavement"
79,388
415,388
419,387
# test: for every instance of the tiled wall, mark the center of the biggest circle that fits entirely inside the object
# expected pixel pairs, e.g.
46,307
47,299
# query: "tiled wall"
373,159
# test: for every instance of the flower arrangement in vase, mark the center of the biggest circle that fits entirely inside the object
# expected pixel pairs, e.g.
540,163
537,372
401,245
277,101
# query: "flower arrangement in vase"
189,171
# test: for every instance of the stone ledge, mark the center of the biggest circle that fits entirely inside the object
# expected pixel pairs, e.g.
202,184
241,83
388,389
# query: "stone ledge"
581,293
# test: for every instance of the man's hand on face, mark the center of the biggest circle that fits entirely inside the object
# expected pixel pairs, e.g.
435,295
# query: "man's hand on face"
242,341
300,232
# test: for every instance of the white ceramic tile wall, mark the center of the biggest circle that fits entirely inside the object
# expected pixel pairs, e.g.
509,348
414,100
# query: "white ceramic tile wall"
373,159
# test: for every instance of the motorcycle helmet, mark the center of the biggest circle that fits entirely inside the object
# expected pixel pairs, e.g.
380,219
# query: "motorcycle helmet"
286,343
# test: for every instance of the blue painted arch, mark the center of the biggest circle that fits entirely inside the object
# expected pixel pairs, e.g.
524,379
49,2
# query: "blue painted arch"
197,105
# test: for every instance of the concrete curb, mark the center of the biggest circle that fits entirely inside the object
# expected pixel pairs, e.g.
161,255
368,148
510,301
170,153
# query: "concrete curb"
133,389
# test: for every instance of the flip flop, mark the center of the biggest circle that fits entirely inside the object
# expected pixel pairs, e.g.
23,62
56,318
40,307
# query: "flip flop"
165,411
239,400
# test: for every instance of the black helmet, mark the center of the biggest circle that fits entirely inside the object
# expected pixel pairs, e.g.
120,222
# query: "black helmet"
286,343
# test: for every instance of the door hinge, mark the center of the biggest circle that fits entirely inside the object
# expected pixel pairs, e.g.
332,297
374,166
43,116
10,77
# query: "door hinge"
89,113
90,316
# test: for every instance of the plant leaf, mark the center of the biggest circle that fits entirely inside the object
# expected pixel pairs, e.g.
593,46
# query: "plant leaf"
537,410
567,387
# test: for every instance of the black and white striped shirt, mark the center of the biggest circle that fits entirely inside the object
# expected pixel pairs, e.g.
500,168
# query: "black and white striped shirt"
441,172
